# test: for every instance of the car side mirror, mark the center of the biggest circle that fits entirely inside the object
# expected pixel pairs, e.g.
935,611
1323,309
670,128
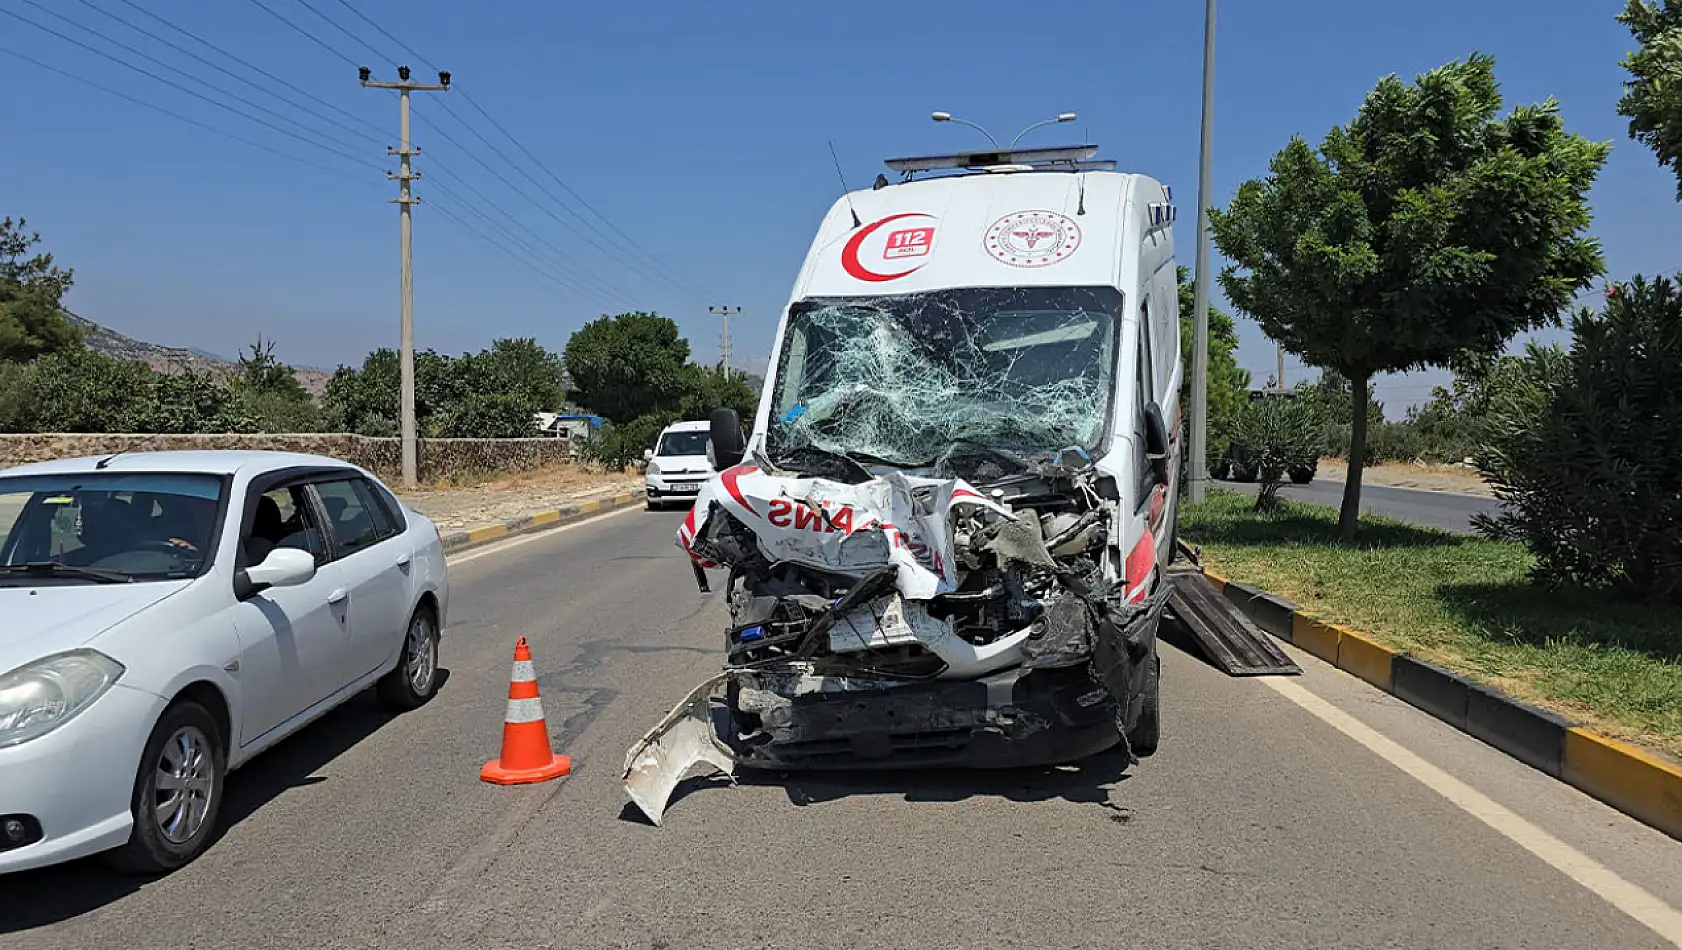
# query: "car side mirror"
1156,442
725,448
284,567
648,455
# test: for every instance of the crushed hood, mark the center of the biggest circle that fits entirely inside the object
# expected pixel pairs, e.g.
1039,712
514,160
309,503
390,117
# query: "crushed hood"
896,520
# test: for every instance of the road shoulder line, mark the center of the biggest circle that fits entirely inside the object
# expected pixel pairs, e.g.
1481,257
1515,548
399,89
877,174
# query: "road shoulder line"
1635,782
457,542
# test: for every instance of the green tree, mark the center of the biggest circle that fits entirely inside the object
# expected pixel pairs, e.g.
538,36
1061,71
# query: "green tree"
627,366
1652,100
1586,448
364,400
268,391
706,388
1429,231
31,288
1229,384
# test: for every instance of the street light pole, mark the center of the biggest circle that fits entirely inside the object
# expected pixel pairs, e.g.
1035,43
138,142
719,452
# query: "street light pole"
405,198
725,312
1200,315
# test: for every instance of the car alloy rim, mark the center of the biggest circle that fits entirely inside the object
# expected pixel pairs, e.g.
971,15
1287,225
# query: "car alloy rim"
184,784
423,653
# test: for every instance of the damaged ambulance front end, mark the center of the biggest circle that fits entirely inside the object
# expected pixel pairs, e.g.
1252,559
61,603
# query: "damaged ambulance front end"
932,553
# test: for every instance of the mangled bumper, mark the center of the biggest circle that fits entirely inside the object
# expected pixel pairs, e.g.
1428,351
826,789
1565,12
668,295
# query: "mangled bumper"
790,717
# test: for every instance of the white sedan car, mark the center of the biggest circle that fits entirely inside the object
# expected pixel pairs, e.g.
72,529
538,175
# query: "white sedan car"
166,616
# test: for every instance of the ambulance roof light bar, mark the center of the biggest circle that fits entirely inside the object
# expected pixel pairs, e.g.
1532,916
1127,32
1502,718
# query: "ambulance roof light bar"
1054,155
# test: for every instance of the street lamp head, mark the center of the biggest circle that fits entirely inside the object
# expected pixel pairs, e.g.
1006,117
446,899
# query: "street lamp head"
364,72
1065,117
942,117
444,78
403,73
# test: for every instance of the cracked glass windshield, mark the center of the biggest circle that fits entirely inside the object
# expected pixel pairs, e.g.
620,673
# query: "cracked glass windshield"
915,380
100,527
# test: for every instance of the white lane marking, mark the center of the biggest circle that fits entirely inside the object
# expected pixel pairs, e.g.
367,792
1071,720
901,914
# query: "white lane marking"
518,540
1653,913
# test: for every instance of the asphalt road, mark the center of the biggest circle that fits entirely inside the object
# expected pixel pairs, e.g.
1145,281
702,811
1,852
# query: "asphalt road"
1432,509
1314,812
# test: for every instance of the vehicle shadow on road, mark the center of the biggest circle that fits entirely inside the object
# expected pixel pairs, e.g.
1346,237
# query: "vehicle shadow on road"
1087,782
32,899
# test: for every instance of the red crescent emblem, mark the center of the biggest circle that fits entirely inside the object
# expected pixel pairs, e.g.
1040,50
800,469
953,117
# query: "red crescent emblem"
850,253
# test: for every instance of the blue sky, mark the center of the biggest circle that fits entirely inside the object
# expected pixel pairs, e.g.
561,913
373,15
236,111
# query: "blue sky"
698,131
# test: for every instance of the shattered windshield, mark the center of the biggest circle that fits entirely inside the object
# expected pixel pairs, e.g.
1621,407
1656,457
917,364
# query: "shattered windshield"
914,380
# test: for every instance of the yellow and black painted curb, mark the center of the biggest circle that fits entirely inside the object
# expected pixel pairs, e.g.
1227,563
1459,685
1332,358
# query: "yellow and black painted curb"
459,541
1644,786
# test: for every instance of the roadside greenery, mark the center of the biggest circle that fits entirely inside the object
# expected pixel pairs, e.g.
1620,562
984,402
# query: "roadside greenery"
1278,435
1652,99
1463,602
1429,231
1229,383
1587,450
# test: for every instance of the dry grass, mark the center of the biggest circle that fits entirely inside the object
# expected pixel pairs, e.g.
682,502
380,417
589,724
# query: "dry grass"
470,502
1417,475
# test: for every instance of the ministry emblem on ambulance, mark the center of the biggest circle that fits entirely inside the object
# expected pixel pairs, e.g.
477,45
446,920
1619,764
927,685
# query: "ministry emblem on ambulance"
1032,238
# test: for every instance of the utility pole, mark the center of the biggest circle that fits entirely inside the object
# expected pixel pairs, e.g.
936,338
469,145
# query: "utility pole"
1200,316
725,312
405,198
1279,354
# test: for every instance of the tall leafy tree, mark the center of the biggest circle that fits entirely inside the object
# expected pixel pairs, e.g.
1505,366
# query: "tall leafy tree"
1429,231
32,322
628,365
1229,384
1652,100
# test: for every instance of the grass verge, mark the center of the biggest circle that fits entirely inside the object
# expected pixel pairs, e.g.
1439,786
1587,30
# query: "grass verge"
1464,603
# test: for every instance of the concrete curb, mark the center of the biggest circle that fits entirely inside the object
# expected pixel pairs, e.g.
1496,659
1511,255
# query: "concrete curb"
1637,783
459,541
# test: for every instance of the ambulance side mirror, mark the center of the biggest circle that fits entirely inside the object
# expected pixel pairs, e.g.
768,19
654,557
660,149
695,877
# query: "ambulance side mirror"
727,446
1156,442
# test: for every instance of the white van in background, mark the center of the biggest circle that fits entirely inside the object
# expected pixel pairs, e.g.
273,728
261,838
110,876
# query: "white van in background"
678,465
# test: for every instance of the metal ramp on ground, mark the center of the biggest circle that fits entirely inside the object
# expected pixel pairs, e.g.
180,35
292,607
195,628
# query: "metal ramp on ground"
1228,638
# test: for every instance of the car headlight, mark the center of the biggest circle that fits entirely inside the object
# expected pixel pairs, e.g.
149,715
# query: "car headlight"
38,697
652,469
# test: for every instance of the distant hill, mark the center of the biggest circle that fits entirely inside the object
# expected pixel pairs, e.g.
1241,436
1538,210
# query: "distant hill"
174,359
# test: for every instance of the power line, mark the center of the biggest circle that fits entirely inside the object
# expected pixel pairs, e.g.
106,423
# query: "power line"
335,25
305,33
564,276
513,187
521,252
670,276
175,85
268,149
225,71
378,136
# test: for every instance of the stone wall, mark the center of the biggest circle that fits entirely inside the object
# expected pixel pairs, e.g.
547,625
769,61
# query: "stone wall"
439,458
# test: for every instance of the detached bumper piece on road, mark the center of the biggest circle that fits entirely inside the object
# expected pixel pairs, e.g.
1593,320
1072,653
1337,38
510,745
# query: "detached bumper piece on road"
906,623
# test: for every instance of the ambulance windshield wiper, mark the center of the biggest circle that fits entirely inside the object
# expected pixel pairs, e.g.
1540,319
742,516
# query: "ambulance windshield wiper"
844,467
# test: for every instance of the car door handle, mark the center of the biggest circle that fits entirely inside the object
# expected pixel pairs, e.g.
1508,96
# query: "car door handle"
338,596
402,560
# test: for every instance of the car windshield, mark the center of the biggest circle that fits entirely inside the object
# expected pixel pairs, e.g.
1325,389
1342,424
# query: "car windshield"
87,527
683,443
916,380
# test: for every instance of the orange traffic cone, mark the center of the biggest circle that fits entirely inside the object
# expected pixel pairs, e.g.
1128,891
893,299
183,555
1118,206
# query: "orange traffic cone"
526,754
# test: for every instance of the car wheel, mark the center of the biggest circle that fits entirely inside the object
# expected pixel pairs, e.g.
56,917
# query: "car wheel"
1147,729
415,680
1301,476
177,792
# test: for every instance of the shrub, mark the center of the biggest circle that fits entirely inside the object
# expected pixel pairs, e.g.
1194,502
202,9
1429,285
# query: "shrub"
1278,435
616,447
1586,448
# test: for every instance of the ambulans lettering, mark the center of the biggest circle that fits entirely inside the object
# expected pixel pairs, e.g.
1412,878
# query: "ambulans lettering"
792,515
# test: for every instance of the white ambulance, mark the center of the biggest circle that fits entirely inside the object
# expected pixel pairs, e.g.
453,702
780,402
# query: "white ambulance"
946,534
